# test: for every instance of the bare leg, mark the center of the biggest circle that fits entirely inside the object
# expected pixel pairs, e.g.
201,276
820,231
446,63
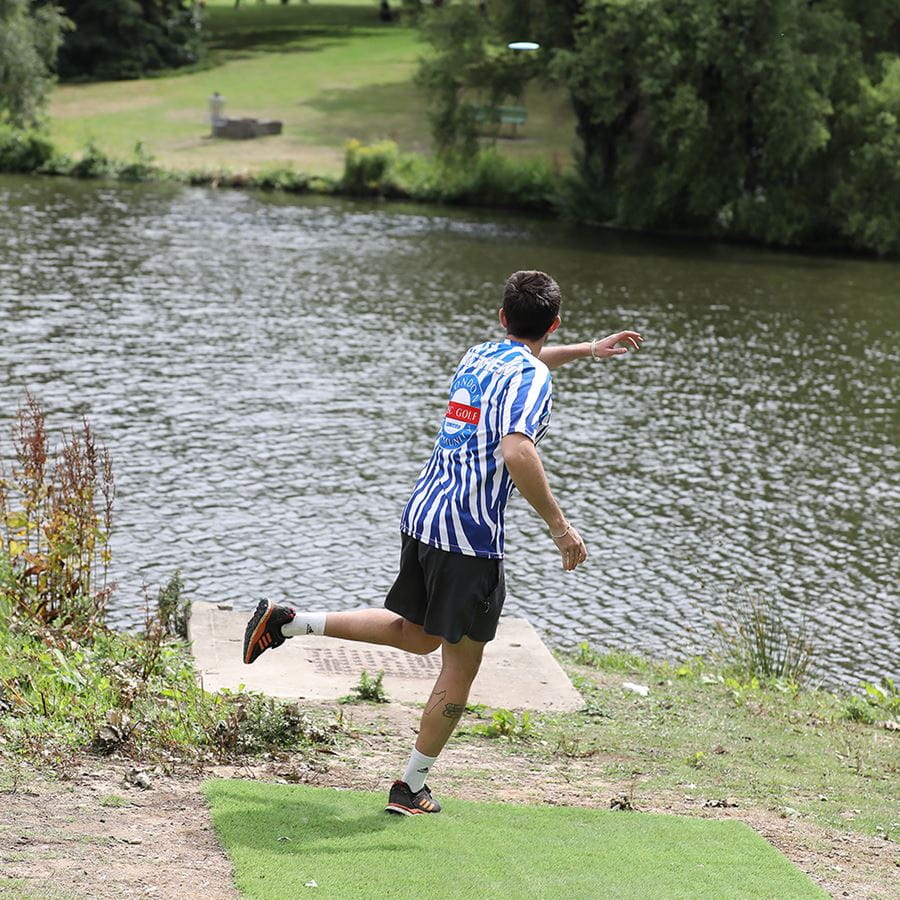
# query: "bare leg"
447,702
380,626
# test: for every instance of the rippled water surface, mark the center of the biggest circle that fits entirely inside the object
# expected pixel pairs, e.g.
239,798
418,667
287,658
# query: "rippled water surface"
270,373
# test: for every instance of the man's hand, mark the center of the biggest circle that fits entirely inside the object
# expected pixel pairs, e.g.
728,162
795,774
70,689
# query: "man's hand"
571,548
554,357
605,347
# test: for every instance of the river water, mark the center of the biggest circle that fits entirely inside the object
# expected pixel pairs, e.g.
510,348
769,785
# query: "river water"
269,374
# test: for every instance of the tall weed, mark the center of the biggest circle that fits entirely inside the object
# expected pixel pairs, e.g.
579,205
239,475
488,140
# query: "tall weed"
56,522
755,639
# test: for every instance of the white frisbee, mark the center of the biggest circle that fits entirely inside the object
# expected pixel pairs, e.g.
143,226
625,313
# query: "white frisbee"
524,45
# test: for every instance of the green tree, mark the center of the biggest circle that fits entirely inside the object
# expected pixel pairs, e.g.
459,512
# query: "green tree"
468,69
116,39
29,40
771,121
775,121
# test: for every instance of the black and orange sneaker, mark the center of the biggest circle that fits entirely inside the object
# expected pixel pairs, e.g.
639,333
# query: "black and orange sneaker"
264,629
405,803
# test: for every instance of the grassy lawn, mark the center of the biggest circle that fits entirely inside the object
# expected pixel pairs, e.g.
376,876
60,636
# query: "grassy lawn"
284,838
328,71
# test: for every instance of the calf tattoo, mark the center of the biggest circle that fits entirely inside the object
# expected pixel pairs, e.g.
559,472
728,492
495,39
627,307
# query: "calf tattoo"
436,697
454,710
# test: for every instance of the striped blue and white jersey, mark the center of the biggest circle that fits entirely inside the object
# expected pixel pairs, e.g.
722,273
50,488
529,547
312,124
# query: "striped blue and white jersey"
459,500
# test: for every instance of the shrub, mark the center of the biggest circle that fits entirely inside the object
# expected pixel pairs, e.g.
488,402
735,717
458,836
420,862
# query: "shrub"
491,179
487,178
94,163
256,723
505,723
282,179
24,151
882,699
140,168
174,609
369,689
114,692
857,710
367,169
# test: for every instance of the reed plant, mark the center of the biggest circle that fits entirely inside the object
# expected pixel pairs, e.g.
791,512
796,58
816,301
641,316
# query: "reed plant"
756,640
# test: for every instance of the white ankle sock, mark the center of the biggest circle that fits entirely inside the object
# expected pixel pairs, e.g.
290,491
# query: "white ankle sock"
417,770
305,623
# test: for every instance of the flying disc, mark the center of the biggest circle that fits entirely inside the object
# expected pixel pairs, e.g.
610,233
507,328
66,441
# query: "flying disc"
524,45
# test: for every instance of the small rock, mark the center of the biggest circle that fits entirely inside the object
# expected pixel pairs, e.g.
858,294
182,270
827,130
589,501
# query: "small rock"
822,797
310,884
622,802
641,689
139,779
721,803
786,811
131,840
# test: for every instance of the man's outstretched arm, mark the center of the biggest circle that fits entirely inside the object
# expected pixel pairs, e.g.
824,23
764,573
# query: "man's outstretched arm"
554,357
527,472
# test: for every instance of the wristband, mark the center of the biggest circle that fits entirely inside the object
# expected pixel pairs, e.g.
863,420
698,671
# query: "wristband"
594,356
559,537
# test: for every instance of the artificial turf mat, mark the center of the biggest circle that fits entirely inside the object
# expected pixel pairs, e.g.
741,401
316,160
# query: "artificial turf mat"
285,840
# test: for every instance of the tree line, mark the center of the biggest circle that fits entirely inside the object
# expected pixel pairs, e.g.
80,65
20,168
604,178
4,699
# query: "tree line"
93,40
774,121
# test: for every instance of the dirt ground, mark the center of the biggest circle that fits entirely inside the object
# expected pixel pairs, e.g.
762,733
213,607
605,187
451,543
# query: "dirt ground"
97,834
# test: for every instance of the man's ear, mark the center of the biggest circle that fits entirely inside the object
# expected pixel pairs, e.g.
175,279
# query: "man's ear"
503,320
556,323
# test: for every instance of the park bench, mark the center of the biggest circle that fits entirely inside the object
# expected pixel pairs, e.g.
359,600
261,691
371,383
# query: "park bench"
500,115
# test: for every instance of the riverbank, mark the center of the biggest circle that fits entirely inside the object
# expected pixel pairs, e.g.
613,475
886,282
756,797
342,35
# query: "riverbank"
379,170
815,778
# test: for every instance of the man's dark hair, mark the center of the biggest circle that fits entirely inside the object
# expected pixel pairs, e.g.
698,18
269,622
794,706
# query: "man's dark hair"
531,303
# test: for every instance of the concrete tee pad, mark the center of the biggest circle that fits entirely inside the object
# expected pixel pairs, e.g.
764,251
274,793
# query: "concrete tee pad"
518,671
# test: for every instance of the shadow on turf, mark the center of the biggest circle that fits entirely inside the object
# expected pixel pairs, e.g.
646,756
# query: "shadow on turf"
393,100
242,44
235,32
281,828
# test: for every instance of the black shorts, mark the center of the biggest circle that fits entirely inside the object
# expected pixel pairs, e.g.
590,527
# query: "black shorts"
448,594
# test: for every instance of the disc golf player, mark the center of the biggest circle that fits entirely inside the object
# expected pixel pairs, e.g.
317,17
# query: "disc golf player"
450,588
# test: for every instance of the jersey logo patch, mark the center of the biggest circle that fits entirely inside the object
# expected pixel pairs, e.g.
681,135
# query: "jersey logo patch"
463,412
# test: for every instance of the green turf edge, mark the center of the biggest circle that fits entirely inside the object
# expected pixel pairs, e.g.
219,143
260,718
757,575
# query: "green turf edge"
283,837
